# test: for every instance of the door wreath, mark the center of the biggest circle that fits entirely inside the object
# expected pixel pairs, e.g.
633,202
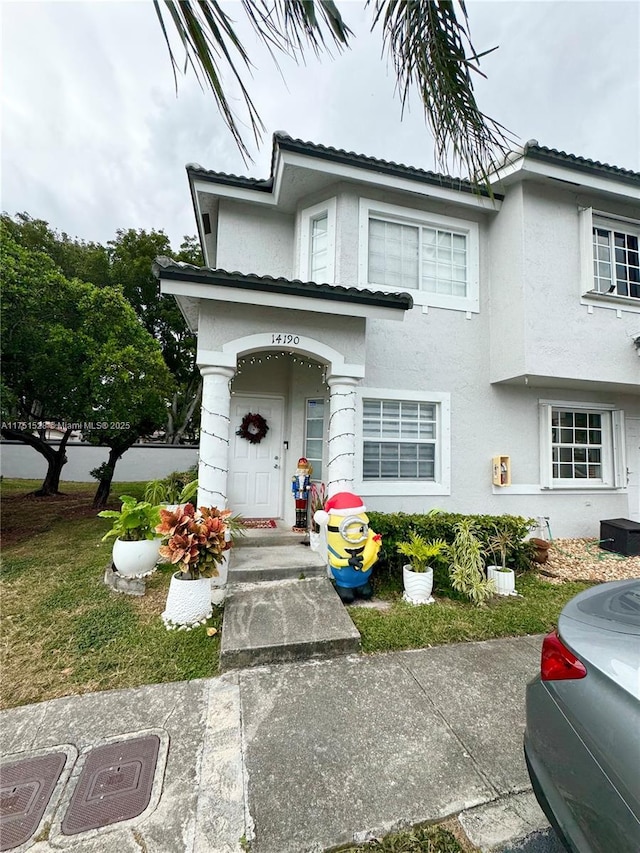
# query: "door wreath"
253,428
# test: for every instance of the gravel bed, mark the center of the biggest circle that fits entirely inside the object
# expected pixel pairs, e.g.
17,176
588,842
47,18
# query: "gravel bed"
583,559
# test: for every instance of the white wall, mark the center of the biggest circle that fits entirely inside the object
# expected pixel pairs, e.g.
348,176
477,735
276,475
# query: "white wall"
539,324
530,320
140,463
254,240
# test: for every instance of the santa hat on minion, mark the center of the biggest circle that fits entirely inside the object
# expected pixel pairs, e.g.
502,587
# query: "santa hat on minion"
342,503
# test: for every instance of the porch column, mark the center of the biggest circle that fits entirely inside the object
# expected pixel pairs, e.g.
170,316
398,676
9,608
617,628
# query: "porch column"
214,436
342,434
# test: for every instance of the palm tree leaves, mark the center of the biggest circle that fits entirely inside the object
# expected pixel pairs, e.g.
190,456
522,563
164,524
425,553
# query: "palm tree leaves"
432,52
429,45
211,45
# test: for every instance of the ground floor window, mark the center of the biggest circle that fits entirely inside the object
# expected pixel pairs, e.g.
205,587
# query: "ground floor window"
399,440
314,436
581,445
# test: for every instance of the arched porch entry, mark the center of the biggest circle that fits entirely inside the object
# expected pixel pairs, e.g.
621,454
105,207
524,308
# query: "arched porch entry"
225,468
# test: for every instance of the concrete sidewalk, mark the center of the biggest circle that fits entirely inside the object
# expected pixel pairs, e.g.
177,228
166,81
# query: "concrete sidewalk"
307,756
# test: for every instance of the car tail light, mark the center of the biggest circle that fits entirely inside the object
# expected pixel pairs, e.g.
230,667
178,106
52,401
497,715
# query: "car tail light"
558,663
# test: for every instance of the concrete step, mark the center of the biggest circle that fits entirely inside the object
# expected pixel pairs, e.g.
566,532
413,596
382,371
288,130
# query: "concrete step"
266,623
250,564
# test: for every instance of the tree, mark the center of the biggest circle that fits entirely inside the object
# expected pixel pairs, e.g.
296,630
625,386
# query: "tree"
126,263
75,258
73,354
131,256
428,42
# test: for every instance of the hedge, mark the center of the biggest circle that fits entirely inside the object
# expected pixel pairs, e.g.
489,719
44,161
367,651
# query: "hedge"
396,526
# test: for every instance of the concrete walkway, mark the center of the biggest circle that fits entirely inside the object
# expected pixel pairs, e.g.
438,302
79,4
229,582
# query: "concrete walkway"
307,756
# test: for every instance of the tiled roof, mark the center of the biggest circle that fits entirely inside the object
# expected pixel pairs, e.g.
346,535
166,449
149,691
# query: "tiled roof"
284,142
583,164
351,158
198,171
177,271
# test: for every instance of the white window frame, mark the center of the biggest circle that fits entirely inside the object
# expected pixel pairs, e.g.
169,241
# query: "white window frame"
442,483
307,216
315,478
418,218
613,447
588,219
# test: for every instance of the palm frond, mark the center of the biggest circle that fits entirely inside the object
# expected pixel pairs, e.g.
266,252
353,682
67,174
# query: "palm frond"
212,47
432,52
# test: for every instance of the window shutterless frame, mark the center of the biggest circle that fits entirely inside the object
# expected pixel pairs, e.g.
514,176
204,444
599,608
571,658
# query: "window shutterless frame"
383,431
317,242
435,257
581,446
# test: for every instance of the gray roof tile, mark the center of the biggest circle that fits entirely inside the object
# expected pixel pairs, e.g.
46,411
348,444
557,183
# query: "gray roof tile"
167,268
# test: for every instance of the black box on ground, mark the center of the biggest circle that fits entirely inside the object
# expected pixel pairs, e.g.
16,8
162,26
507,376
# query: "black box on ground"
620,535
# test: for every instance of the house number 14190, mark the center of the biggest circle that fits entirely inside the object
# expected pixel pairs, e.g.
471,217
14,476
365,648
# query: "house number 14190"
285,339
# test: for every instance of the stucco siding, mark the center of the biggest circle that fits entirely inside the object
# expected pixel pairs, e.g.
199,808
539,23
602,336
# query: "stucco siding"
255,240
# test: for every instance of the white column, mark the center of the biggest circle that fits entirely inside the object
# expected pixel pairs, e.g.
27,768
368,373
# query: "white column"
342,434
214,436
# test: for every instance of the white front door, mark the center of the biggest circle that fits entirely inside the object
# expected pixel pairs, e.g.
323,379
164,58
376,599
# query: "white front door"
633,466
255,469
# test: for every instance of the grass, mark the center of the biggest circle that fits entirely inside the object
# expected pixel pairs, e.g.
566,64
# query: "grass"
421,839
452,620
63,630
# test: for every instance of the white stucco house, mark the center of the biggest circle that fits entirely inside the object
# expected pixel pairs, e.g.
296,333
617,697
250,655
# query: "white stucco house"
401,330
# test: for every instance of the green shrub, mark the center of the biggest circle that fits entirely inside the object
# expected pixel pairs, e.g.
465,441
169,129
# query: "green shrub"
396,527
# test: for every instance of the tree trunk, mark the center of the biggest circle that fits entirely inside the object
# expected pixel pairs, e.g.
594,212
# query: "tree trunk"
55,458
104,483
179,416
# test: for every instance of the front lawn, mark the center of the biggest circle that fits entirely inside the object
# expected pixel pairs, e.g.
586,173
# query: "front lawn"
406,626
63,630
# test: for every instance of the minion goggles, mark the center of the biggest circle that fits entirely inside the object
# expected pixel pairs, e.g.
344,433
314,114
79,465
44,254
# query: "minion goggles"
352,528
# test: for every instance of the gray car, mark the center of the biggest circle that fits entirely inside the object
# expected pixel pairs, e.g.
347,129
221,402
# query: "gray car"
582,738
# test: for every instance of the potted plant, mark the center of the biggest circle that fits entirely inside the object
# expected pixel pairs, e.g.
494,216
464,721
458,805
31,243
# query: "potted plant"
503,577
195,541
417,575
466,567
171,491
136,547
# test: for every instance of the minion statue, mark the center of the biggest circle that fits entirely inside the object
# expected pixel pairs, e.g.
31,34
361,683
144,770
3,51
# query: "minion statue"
352,547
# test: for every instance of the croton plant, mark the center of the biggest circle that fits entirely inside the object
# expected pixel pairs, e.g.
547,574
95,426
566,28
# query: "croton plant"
194,539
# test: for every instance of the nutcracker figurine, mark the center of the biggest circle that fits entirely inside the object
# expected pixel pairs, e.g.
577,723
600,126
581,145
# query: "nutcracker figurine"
300,487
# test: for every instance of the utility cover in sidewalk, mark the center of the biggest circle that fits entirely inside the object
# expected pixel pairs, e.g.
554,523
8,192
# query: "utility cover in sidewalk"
114,785
25,790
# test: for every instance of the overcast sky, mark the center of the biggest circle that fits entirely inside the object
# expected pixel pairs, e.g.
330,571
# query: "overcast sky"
95,139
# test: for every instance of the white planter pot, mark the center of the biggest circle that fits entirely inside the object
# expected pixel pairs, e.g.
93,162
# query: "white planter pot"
188,602
135,559
417,586
504,582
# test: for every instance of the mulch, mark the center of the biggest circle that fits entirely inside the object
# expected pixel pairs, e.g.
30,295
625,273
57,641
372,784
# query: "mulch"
584,560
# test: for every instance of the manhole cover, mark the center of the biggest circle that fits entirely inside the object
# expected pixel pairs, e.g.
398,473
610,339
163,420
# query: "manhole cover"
115,784
25,790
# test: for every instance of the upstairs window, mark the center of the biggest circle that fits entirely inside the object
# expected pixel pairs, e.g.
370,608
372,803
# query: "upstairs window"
435,257
318,255
317,240
431,259
616,260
